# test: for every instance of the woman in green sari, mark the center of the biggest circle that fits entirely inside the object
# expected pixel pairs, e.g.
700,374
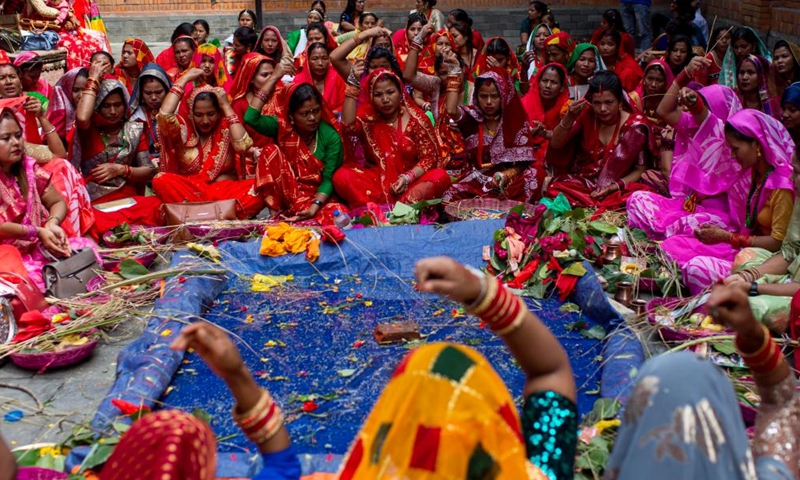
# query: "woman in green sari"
772,279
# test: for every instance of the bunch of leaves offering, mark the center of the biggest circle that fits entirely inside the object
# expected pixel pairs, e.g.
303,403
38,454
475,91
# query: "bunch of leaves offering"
123,234
645,261
531,252
596,439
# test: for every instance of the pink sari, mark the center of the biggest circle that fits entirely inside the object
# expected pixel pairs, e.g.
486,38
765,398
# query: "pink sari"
702,174
703,264
30,211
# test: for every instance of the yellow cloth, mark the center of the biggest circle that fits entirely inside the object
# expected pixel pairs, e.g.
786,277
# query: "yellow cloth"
283,238
265,283
444,410
773,219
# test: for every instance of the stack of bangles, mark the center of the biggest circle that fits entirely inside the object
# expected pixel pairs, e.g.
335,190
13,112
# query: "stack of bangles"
262,95
128,171
621,184
750,275
453,82
741,241
409,176
352,91
416,44
766,358
667,145
30,232
92,86
503,311
177,90
262,422
233,119
683,78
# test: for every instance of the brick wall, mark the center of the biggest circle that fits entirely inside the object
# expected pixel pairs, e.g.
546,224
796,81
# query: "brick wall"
773,19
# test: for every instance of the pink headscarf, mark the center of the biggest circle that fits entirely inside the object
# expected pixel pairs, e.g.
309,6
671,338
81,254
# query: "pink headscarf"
668,76
774,140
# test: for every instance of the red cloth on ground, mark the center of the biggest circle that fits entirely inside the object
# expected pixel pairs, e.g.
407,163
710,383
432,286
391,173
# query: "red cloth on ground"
147,211
357,186
32,324
175,188
11,261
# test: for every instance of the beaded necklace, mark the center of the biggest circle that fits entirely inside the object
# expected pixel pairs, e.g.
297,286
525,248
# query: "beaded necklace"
750,218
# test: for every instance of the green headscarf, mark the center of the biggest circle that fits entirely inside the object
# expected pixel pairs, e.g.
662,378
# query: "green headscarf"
579,49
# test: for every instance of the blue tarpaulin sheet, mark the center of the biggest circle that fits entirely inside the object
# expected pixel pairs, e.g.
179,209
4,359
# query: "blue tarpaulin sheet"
311,339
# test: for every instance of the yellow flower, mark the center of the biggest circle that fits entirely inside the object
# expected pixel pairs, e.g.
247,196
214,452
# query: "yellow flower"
166,332
604,424
631,268
271,247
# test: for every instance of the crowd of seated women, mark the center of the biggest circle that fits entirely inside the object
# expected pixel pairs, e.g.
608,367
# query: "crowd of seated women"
338,116
696,145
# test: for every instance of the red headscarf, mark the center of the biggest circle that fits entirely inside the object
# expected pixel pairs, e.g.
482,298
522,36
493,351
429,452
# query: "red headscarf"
382,139
143,57
532,101
334,85
512,67
427,58
278,53
286,176
179,443
244,77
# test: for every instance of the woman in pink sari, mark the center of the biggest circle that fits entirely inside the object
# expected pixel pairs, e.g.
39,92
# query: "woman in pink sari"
705,182
31,211
759,144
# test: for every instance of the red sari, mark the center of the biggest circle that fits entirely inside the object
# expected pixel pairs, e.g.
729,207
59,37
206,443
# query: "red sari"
390,151
333,90
490,153
143,57
289,177
238,93
629,72
532,102
596,165
427,58
190,170
628,44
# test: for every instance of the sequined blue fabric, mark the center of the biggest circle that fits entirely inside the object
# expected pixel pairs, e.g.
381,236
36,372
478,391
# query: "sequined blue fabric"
550,428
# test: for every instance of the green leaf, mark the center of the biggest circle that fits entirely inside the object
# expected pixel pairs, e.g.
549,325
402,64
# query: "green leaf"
576,326
129,268
576,269
603,227
596,333
725,347
583,462
603,409
202,415
519,210
499,235
569,308
27,458
347,372
498,264
120,427
426,203
97,456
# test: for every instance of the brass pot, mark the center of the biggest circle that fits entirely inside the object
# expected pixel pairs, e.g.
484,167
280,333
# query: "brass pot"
624,293
613,252
639,306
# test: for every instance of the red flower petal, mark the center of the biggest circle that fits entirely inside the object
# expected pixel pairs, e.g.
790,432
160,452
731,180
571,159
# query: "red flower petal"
310,406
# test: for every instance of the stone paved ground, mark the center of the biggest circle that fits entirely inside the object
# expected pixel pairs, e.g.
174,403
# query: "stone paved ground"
69,395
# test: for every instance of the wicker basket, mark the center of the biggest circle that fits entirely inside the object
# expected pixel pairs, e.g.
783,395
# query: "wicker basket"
62,358
36,473
675,333
484,208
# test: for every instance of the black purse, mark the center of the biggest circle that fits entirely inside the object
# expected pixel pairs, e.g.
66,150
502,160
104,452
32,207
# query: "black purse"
68,277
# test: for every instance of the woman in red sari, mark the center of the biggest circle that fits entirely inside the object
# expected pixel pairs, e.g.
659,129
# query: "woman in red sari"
252,77
498,140
546,103
402,38
135,55
320,73
297,179
113,154
619,62
403,162
611,147
183,50
199,161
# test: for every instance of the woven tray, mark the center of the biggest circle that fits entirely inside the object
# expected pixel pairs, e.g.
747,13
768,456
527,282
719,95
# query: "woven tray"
36,473
484,208
675,334
62,358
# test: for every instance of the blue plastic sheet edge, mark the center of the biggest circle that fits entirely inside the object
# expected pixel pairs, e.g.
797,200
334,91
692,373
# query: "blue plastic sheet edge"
146,366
